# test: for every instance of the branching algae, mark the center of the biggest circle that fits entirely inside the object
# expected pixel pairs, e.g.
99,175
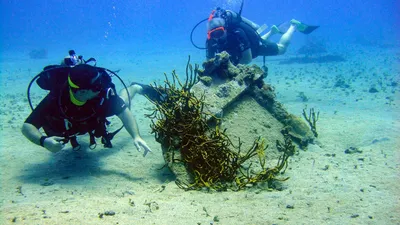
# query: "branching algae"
207,154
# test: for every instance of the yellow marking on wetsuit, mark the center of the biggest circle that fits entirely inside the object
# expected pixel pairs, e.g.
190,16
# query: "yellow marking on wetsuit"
71,84
74,100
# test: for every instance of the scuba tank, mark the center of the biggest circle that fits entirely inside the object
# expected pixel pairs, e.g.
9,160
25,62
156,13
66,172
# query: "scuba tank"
235,18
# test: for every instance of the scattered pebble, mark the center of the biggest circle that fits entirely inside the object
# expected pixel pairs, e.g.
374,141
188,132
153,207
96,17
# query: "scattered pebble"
373,90
352,150
290,206
47,183
109,213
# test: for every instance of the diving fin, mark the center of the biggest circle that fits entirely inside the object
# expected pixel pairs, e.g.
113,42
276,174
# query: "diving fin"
302,27
306,29
262,28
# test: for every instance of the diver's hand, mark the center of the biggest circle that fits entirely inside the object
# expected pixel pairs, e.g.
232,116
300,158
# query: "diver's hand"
54,143
139,144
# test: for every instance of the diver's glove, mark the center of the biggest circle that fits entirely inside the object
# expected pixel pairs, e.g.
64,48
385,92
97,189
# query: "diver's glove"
139,144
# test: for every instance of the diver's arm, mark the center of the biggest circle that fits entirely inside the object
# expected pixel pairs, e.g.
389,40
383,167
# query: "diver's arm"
131,126
32,133
53,144
129,122
246,57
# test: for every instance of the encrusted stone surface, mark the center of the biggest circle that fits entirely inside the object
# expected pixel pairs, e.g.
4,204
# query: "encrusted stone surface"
247,107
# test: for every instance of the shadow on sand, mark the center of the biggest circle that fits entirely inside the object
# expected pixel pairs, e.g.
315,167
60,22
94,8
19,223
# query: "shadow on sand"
76,165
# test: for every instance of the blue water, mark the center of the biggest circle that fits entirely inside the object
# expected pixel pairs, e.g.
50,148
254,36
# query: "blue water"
158,24
145,38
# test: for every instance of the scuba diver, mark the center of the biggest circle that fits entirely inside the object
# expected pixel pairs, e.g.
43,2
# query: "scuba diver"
72,59
81,98
229,31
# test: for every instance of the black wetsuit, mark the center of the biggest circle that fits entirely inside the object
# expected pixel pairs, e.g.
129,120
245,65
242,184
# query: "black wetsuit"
60,117
240,37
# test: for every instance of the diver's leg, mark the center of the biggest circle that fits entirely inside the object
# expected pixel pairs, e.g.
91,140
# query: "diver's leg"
133,89
286,37
274,30
156,94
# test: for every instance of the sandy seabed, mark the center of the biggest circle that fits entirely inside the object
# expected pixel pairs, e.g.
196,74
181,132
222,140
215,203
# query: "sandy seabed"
119,186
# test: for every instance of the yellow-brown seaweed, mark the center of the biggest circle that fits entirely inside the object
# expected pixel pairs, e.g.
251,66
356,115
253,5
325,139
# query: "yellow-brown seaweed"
208,154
